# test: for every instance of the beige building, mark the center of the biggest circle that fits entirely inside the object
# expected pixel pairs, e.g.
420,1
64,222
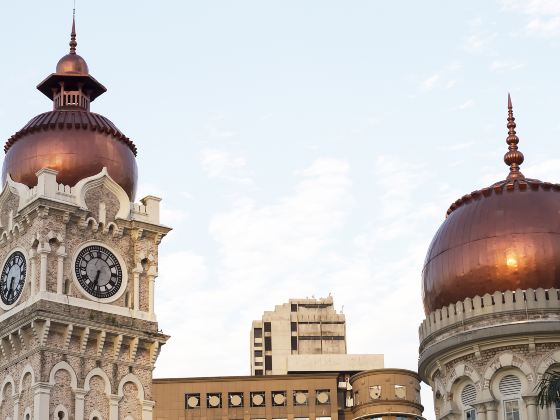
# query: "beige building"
304,335
387,394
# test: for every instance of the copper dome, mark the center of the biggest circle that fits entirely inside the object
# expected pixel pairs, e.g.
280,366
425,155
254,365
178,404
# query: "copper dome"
70,139
72,64
504,237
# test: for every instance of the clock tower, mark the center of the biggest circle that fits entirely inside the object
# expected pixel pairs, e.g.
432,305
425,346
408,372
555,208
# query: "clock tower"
78,332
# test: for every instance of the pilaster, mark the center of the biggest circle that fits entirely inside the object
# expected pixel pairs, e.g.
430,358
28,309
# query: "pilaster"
41,400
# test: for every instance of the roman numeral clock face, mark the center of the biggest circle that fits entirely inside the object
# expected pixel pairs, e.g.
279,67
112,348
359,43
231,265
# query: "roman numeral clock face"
98,271
13,278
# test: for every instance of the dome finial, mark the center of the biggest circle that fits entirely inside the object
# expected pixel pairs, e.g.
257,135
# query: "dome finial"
513,158
73,42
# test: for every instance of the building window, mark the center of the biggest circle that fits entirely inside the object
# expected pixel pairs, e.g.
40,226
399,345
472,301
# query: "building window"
257,399
294,307
323,396
267,327
258,364
267,343
258,372
400,391
511,410
258,353
279,398
235,399
257,333
267,362
293,326
300,397
470,414
294,343
375,392
214,400
192,401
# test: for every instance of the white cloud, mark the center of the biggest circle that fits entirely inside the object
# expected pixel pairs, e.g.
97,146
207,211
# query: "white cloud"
430,82
221,164
467,104
479,42
544,15
505,65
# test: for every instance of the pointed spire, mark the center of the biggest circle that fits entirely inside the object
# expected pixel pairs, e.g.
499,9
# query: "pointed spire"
73,42
513,158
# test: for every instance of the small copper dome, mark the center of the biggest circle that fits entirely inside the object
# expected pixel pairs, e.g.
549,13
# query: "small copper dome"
504,237
70,139
72,64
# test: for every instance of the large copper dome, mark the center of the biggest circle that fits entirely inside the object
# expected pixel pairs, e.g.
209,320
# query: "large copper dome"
70,139
504,237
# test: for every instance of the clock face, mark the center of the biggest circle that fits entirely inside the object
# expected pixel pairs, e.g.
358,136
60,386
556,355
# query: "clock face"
98,271
13,278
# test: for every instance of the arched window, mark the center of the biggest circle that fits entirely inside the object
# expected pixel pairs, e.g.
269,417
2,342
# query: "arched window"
510,388
468,397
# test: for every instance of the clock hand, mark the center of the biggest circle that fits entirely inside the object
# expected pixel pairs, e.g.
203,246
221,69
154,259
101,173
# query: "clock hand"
94,284
11,289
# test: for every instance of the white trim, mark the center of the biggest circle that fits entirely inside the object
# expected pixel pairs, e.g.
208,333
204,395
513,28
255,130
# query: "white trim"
62,365
95,413
134,379
27,275
124,271
8,379
98,372
80,303
58,408
27,369
26,412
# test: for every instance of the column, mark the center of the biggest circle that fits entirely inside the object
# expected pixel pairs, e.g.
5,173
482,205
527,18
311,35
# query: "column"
480,411
136,275
60,253
114,407
41,400
152,274
43,250
16,406
33,270
80,404
491,410
531,404
147,409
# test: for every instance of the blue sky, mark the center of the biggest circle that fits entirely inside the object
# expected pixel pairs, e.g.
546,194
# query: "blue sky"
301,148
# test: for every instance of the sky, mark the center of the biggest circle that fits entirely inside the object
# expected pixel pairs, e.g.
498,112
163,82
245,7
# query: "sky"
301,148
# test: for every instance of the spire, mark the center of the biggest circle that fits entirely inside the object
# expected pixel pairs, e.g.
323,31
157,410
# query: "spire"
513,158
73,42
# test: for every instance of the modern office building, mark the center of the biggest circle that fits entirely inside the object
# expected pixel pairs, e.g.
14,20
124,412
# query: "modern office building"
304,335
491,295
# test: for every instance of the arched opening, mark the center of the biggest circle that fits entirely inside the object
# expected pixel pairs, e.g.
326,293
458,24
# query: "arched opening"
60,415
66,287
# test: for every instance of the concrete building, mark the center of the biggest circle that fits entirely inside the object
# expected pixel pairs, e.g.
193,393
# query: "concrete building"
304,335
78,333
491,297
388,394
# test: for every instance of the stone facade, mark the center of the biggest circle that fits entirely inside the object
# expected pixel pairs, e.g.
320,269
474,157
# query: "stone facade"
484,356
65,354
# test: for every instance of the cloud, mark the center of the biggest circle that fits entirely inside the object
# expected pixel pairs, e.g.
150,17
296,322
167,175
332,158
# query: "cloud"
466,105
221,164
543,15
430,82
499,66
